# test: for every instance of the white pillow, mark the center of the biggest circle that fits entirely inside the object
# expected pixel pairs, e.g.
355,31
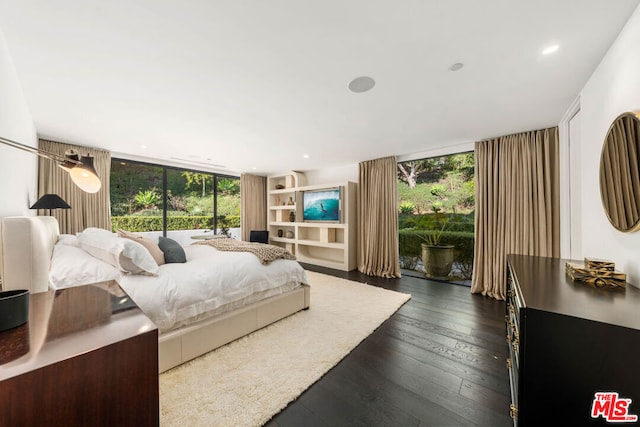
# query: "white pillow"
124,254
68,240
72,266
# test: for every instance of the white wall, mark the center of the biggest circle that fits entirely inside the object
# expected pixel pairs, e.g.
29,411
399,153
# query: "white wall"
18,169
613,88
332,175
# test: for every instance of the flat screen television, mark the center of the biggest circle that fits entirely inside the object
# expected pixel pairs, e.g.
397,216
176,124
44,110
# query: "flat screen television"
321,205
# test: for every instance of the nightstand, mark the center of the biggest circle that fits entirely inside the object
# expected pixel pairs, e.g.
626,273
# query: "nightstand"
87,356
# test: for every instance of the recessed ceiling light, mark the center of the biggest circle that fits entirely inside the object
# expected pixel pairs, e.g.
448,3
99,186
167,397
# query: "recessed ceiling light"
144,147
306,156
550,49
456,66
361,84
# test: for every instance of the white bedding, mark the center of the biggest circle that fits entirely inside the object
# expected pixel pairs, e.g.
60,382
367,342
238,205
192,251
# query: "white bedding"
210,282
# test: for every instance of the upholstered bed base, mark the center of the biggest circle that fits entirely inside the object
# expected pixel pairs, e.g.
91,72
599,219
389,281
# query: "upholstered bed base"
26,245
189,342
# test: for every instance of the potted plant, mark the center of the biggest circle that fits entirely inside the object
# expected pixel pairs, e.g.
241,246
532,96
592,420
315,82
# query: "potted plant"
437,257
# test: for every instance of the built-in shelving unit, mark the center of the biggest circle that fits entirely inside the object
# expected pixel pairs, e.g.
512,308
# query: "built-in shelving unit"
327,244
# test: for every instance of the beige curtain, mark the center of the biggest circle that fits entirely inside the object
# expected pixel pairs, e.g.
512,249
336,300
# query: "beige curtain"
253,204
378,218
517,204
87,210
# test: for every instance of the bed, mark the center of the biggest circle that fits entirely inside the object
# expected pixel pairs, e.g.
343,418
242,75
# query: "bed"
210,300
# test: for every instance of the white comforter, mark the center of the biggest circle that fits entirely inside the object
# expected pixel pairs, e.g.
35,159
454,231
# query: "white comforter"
209,282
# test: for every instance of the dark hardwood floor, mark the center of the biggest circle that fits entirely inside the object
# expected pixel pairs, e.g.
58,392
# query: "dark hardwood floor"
438,361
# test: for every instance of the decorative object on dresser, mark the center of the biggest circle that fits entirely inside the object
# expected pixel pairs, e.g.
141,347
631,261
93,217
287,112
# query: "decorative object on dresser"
50,201
596,272
80,168
14,308
570,346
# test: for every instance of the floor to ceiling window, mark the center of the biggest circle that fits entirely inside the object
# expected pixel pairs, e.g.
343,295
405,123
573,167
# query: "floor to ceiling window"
436,217
178,203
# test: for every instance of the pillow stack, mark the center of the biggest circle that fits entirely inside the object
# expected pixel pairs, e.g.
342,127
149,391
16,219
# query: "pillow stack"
150,245
126,255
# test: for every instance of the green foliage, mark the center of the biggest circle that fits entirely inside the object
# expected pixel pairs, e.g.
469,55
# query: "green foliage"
229,205
436,226
199,180
147,199
407,207
174,222
177,203
228,186
442,184
438,191
126,180
456,222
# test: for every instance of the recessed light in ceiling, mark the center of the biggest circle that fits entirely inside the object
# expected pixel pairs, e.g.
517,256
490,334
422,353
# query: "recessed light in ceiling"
550,49
144,147
361,84
306,156
456,66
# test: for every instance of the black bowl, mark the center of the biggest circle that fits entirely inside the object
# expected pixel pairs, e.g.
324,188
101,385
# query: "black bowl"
14,308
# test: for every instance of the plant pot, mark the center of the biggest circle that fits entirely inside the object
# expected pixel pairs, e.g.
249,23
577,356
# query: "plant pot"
437,260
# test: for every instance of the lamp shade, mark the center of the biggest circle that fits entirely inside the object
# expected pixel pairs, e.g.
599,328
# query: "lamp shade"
70,160
84,175
50,201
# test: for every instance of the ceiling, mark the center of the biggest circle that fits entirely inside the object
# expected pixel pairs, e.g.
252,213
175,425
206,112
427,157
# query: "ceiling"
254,86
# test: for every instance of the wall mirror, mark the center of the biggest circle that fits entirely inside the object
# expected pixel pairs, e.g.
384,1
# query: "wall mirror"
620,172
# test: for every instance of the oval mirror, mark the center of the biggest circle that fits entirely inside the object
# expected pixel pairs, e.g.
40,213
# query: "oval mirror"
620,172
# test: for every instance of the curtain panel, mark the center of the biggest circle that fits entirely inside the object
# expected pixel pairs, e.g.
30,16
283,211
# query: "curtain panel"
253,204
517,204
378,218
87,210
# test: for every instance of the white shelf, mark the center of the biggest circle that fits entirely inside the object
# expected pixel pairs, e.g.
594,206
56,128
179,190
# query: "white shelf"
282,191
283,223
282,239
321,224
334,245
283,207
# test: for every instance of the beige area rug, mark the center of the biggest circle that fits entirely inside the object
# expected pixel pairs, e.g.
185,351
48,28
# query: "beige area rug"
248,381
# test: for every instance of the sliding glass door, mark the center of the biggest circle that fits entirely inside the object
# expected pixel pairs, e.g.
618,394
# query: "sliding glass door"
436,208
178,203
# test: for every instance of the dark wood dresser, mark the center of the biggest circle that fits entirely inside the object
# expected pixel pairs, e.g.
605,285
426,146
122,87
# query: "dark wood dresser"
87,357
574,349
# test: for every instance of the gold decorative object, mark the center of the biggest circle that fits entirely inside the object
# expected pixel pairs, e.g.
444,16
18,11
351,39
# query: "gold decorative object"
600,278
599,264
